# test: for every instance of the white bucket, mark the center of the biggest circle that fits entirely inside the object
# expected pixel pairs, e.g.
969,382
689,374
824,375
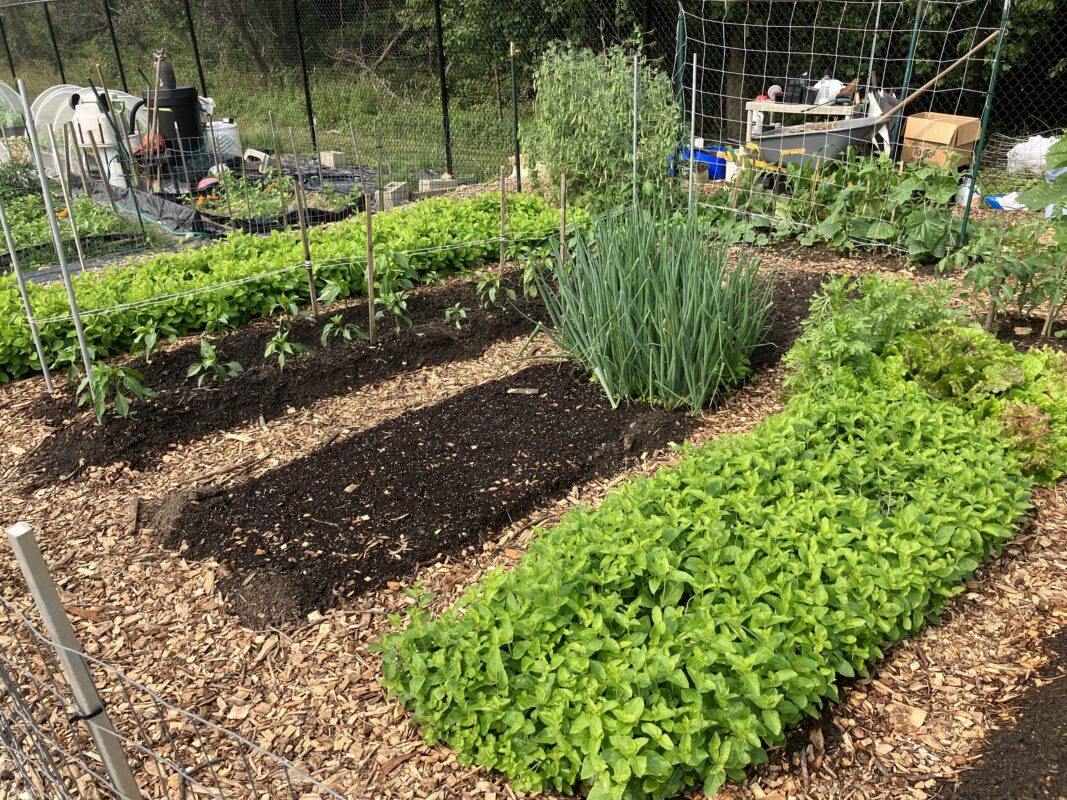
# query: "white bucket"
225,136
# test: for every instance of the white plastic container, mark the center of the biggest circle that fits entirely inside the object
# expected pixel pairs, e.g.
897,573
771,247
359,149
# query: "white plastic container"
224,135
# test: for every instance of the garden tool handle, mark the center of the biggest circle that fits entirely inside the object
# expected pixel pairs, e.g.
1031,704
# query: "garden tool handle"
933,81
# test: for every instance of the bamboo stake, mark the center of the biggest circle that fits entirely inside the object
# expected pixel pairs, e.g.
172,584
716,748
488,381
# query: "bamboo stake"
70,203
372,323
104,173
79,159
281,172
300,208
27,305
562,218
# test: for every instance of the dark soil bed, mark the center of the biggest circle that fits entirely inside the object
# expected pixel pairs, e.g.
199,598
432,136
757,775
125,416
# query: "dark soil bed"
1028,760
183,413
1025,333
431,483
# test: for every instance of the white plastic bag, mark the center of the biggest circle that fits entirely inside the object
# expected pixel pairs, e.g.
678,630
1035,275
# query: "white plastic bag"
1029,156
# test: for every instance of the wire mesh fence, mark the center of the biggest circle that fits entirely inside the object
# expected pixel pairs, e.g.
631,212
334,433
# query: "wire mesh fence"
51,744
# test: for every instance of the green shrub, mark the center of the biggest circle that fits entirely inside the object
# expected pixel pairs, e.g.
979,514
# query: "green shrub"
441,235
655,310
582,122
664,640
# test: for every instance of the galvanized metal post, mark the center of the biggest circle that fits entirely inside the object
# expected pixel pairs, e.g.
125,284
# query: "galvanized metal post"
53,224
91,709
21,280
55,44
513,51
986,110
196,48
115,45
308,107
7,48
443,78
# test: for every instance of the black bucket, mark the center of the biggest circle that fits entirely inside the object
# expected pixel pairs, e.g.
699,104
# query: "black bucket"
179,116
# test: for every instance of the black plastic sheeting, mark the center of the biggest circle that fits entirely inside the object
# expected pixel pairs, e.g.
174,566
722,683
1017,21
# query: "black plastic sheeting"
291,219
172,216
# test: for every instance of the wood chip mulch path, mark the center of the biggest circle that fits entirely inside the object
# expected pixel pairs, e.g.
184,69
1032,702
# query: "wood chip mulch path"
311,693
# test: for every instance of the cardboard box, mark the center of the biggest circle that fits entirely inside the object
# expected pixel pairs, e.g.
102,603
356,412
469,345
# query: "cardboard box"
933,137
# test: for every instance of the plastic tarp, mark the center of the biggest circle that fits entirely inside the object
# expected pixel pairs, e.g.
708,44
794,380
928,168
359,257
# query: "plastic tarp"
1029,156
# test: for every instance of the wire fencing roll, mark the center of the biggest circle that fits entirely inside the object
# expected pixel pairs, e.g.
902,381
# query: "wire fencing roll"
174,754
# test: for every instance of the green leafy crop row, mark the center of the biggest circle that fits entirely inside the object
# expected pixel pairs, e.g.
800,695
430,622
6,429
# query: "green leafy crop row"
665,640
440,236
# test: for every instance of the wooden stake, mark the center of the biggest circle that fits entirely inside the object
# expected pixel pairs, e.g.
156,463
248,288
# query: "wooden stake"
503,217
104,176
562,218
70,204
300,208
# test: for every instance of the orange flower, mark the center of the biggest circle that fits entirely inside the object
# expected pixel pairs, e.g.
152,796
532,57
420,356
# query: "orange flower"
64,213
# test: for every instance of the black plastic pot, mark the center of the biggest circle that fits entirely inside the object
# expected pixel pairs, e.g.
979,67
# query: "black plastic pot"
179,116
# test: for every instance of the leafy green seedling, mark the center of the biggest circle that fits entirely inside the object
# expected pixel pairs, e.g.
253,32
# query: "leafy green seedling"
209,365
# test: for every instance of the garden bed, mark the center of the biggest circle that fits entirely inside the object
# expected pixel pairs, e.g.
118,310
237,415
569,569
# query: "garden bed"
182,412
431,483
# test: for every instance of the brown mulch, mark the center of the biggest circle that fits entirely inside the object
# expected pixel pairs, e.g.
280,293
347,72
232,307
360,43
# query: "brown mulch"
311,693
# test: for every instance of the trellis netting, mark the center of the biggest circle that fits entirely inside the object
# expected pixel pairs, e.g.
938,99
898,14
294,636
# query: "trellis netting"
797,103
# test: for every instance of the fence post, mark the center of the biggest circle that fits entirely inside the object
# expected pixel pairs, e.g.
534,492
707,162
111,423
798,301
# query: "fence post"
916,29
90,708
7,48
115,46
308,107
513,51
55,44
443,78
196,48
980,149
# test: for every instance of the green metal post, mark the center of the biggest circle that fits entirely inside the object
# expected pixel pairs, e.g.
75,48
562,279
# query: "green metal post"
986,110
515,117
915,31
55,43
7,49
